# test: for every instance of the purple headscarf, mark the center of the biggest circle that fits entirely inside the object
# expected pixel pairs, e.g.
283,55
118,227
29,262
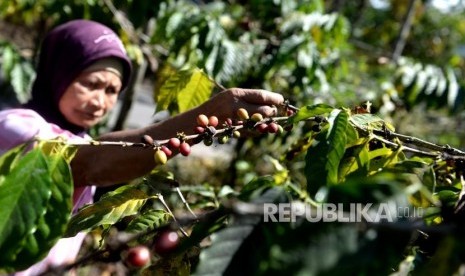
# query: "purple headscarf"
65,52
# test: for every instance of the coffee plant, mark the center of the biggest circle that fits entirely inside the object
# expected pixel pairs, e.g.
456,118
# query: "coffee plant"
350,156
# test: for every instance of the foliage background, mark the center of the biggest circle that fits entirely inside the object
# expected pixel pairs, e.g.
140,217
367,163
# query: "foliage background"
405,57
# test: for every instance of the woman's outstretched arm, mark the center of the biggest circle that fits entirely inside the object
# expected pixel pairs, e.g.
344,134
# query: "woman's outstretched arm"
103,166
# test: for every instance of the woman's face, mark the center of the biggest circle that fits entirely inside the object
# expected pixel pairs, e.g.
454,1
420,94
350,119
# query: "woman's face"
89,97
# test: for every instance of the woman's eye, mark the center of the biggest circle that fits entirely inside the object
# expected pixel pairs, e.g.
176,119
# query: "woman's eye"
111,90
90,85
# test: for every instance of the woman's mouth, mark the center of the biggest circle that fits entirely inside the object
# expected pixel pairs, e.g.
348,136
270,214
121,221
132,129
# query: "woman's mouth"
91,116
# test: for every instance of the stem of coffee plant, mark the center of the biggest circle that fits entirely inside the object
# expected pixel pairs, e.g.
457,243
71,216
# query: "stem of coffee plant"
389,138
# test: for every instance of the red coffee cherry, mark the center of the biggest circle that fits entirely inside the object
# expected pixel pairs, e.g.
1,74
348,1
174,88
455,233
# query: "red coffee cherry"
199,129
262,128
138,256
166,242
174,143
272,127
213,121
185,149
202,120
166,150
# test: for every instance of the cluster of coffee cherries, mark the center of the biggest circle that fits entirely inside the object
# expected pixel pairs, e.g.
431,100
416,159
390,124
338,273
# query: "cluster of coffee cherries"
256,121
163,151
208,128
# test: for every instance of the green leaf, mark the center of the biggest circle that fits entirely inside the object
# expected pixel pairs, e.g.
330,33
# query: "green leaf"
423,184
108,210
233,60
21,78
186,89
325,153
8,159
382,187
149,220
52,224
437,87
306,55
196,91
9,58
381,158
59,147
24,196
310,111
355,159
256,187
171,87
453,88
369,121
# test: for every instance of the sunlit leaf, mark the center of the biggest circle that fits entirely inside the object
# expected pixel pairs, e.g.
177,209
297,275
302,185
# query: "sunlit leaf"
355,159
22,75
310,111
170,89
196,91
108,210
8,60
184,89
370,121
36,199
52,224
232,61
28,182
453,89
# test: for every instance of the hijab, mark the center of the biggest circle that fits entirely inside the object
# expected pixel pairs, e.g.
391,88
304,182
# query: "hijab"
65,52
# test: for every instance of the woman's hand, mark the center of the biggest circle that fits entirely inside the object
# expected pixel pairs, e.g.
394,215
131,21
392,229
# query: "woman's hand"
226,103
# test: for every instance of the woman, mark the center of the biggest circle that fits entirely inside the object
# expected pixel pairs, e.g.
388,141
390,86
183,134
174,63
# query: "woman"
81,71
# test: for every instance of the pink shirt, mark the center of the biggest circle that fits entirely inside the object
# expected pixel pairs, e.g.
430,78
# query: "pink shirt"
21,125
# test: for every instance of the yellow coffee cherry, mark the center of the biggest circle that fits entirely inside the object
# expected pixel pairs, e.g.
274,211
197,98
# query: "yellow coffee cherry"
160,157
242,114
257,117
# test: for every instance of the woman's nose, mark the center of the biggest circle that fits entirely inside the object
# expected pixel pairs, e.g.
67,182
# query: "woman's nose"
99,99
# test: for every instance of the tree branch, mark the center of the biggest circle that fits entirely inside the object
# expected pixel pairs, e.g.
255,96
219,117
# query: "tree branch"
404,31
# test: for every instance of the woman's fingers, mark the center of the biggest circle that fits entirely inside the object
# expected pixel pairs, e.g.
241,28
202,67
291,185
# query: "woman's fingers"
257,101
258,96
226,103
265,110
